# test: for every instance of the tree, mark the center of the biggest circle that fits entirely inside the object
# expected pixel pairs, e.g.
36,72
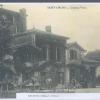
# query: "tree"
5,36
6,65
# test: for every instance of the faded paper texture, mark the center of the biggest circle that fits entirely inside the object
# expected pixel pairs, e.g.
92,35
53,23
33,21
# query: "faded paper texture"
49,48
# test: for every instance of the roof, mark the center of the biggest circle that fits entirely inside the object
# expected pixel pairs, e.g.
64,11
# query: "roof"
95,55
35,31
90,61
40,32
46,33
75,44
9,11
42,37
83,62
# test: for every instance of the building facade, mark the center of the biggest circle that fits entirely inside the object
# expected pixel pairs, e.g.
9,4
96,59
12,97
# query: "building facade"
42,54
41,59
16,20
80,71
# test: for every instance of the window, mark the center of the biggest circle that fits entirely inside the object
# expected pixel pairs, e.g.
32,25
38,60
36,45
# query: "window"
55,53
73,55
44,53
52,52
58,54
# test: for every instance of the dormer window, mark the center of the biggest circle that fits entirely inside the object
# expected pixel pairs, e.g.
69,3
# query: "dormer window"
73,54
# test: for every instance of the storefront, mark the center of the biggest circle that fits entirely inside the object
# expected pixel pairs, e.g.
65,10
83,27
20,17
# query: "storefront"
81,75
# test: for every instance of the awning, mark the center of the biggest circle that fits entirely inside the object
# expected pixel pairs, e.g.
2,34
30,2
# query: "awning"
74,62
86,60
83,62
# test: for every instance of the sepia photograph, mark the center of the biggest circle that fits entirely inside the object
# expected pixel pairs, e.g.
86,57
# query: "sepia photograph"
49,48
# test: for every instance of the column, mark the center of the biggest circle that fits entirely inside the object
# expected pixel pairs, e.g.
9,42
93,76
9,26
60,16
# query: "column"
13,19
47,58
7,86
67,76
15,25
20,80
56,54
33,39
1,87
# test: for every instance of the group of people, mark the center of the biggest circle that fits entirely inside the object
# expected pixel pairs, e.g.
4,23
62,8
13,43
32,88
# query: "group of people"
75,84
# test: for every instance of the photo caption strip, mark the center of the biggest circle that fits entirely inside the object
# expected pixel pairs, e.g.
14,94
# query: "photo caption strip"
58,96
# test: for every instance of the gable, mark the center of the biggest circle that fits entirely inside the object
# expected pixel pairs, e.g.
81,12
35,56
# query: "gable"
75,46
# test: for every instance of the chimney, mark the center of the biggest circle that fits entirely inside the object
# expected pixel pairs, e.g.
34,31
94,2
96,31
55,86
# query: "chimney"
23,11
48,29
23,18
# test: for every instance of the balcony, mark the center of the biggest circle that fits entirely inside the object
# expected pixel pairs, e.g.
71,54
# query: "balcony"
20,40
74,62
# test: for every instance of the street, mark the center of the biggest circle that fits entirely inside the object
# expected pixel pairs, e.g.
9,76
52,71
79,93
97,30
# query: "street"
88,90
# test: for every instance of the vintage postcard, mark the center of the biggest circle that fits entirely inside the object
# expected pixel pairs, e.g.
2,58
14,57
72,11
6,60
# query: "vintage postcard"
49,48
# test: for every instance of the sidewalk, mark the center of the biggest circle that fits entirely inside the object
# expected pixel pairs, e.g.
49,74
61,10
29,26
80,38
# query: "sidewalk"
88,90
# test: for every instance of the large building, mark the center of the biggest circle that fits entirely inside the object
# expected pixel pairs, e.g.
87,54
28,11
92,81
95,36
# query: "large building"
41,59
17,20
42,54
79,69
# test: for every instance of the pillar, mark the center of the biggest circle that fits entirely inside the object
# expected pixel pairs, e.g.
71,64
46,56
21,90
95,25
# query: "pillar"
33,39
14,28
7,86
23,17
1,87
67,76
20,80
47,53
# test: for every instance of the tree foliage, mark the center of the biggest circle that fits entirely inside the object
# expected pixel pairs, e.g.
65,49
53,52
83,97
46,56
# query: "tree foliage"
5,36
5,39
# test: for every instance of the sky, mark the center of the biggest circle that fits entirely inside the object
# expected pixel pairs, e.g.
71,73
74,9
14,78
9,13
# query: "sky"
79,22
